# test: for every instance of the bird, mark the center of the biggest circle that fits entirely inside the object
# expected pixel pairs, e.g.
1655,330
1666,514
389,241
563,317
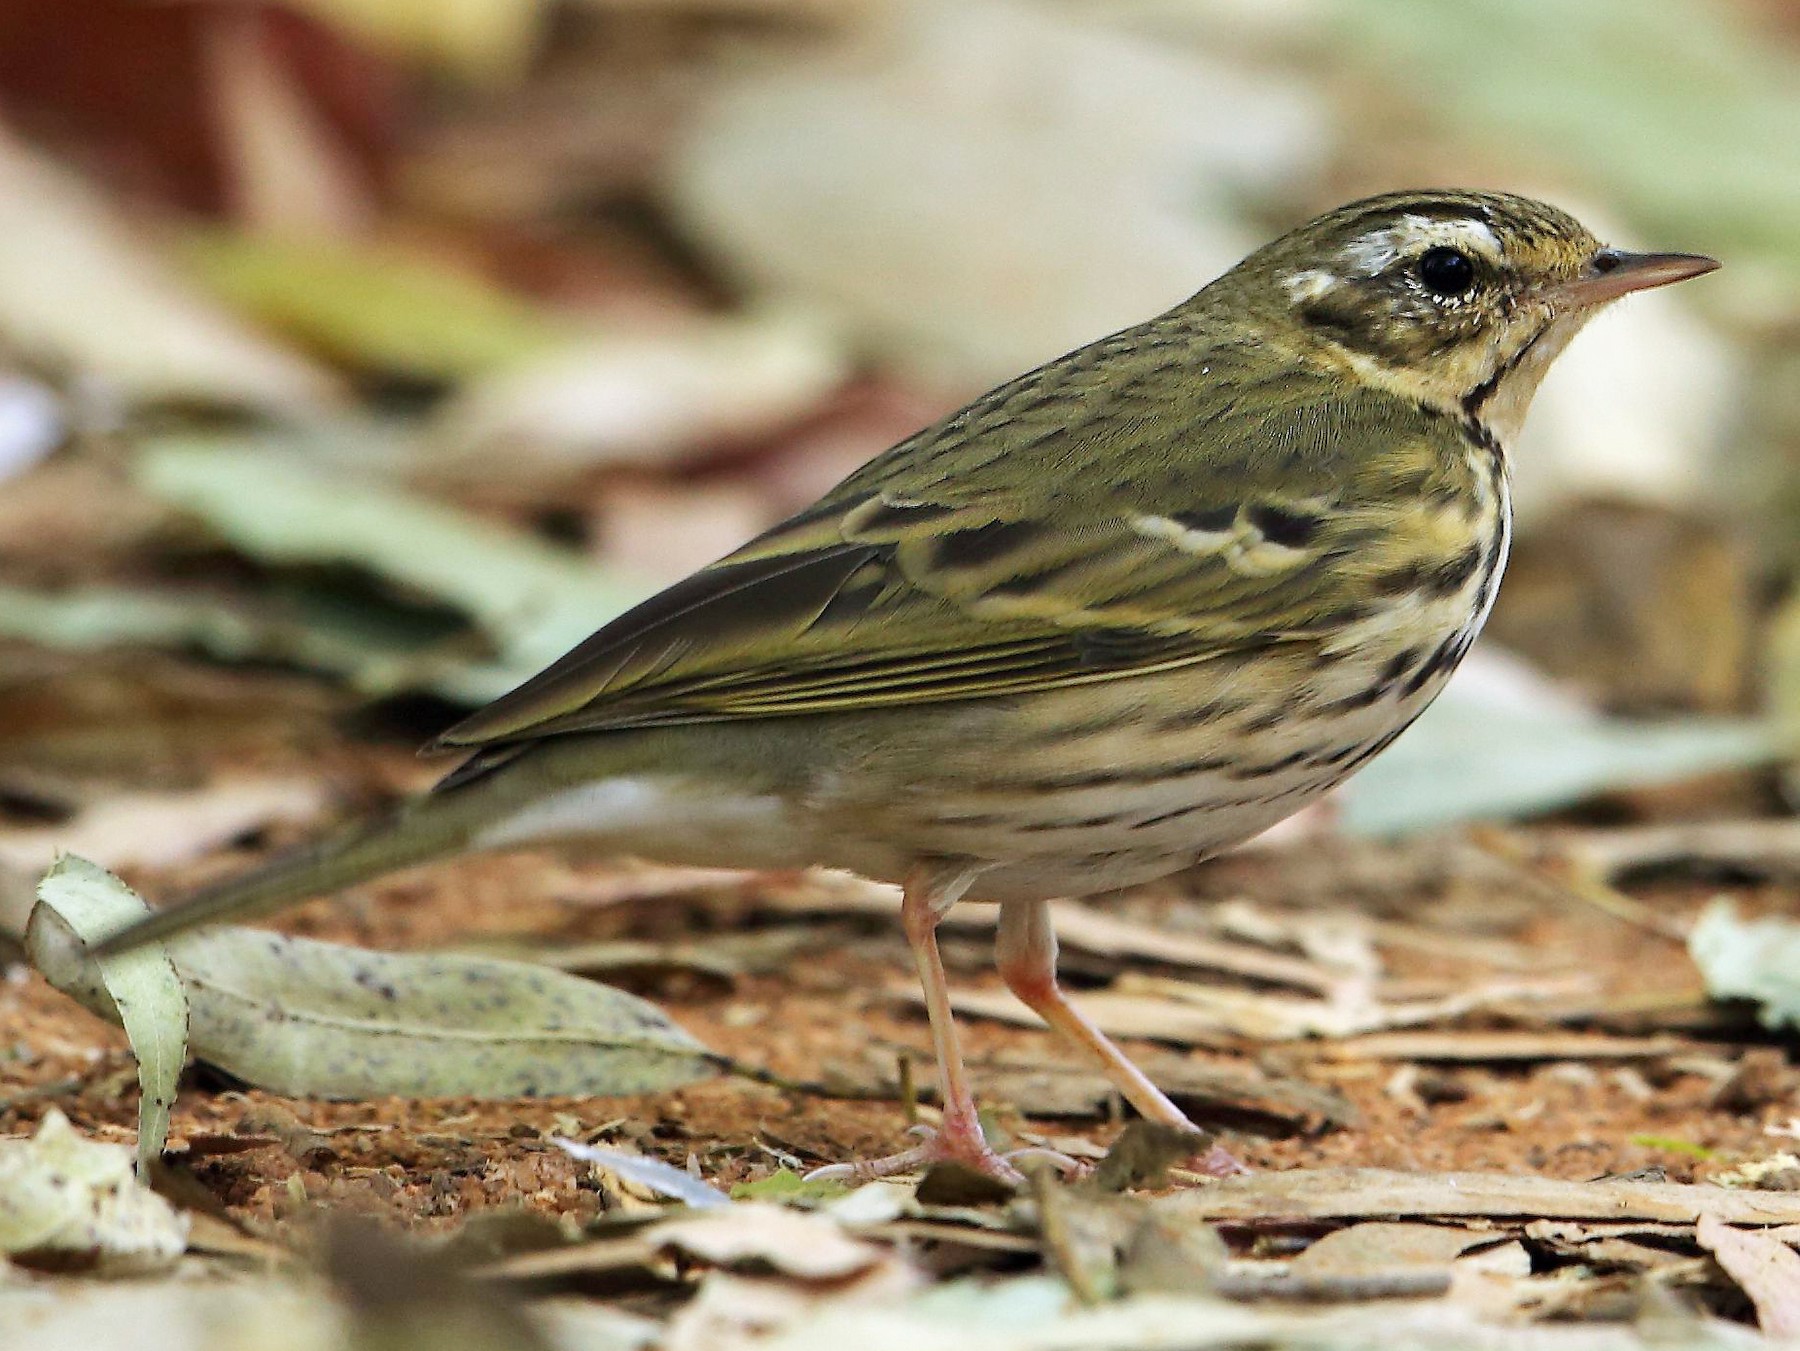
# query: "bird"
1113,617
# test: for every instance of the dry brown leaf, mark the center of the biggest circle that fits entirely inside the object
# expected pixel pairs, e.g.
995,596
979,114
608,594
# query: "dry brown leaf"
79,289
1766,1269
1380,1248
755,1234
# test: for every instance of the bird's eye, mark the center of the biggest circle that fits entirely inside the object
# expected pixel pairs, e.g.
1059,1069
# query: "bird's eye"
1446,272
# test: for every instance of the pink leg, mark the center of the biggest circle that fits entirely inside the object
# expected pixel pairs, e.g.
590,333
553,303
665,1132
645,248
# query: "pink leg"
959,1137
1026,954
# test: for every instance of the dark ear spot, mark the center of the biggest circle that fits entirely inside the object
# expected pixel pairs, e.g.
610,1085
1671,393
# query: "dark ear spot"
1279,525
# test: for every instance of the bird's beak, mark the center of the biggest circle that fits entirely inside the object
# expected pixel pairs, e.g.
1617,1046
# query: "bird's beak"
1612,273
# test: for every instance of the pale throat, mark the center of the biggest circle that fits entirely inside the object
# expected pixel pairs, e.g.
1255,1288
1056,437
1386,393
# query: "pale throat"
1492,386
1502,409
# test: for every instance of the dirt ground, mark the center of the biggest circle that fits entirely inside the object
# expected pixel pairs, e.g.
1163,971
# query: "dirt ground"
1655,1079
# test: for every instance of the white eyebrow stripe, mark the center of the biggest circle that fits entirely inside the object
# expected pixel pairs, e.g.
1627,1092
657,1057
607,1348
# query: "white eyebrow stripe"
1309,285
1375,252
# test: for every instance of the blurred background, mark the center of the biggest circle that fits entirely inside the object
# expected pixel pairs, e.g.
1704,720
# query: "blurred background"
359,356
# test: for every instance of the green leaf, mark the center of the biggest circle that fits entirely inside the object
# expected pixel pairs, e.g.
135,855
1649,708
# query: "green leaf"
534,600
1668,1144
374,648
386,308
787,1187
321,1020
79,902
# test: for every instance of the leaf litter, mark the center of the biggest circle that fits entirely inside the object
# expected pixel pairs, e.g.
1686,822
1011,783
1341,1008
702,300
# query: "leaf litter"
321,1020
1490,1098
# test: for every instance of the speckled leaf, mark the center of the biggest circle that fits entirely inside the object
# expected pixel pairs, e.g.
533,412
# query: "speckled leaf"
140,990
321,1020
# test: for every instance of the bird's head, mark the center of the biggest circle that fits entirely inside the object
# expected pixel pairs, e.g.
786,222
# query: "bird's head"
1457,299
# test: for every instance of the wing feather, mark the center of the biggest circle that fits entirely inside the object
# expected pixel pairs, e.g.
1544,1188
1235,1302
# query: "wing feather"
1131,533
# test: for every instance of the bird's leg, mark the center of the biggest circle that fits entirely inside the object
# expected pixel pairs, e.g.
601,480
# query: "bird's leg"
958,1137
1025,952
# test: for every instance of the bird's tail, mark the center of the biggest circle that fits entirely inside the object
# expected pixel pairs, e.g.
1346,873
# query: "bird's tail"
426,828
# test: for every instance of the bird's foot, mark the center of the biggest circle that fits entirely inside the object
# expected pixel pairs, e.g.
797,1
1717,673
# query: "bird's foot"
956,1142
1220,1162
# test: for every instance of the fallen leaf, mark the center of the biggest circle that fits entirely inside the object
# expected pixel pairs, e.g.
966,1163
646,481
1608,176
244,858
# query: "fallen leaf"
652,1174
1171,1254
786,1187
840,182
1144,1152
174,1315
381,307
642,397
159,830
1082,1233
1498,1047
320,1020
1767,1270
1760,1173
373,652
534,600
1477,754
1356,1193
63,1197
1079,927
1749,959
399,1295
797,1243
1207,1016
1768,848
79,902
1378,1248
79,290
1260,1103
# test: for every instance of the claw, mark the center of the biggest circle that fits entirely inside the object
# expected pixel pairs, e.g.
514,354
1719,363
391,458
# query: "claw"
951,1144
1220,1162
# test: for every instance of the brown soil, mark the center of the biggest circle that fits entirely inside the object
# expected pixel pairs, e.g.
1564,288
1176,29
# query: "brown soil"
833,1011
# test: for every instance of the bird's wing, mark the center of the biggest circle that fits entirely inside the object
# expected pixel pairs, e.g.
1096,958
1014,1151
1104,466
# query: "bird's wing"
1040,538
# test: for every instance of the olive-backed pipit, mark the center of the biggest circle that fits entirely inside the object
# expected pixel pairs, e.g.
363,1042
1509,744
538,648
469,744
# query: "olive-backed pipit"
1114,616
